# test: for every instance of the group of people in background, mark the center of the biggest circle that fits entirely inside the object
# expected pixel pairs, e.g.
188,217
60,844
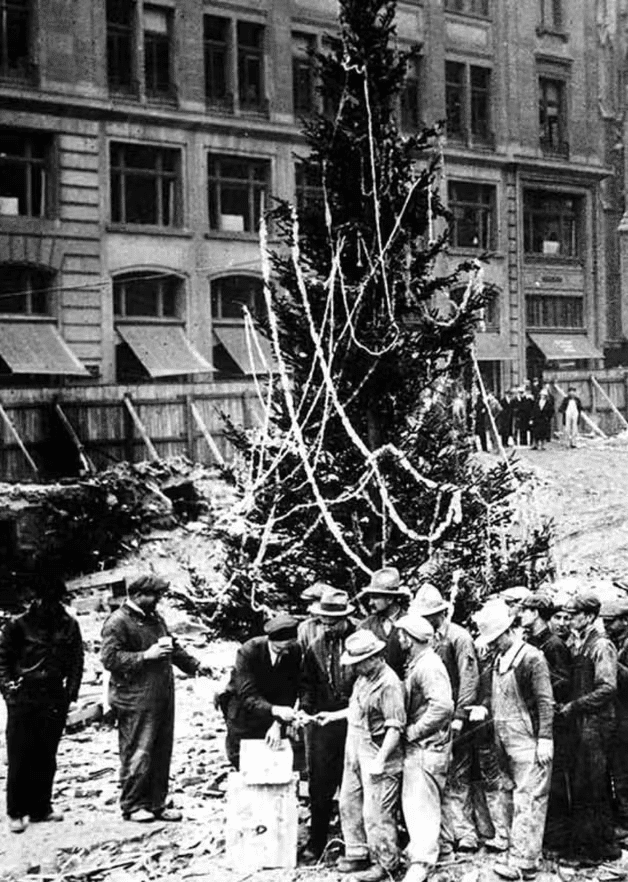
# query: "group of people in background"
523,417
510,734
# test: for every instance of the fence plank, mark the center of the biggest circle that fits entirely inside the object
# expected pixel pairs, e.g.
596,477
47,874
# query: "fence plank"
140,428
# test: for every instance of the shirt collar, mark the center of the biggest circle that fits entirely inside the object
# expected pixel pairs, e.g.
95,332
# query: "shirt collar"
274,655
133,605
506,660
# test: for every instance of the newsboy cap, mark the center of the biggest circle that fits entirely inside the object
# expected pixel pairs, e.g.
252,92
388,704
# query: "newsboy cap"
148,585
585,601
282,627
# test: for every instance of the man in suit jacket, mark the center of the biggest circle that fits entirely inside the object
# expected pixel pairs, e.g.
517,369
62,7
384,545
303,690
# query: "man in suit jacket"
264,686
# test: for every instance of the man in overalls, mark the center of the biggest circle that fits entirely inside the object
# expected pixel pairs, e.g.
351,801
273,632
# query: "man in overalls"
522,704
373,761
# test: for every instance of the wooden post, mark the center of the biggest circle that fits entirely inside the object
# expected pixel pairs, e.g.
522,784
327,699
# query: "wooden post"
198,419
139,425
16,437
614,407
188,401
86,464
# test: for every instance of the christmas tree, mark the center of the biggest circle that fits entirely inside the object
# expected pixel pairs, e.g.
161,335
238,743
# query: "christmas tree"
364,457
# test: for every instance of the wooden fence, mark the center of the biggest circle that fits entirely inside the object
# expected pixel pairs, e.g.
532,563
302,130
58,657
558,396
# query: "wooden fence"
604,395
57,432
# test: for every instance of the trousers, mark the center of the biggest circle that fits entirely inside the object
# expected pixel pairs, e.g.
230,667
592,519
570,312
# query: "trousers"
457,820
368,803
424,777
145,736
33,734
326,761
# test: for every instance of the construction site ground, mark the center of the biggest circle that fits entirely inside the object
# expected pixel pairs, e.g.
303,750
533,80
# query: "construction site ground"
585,490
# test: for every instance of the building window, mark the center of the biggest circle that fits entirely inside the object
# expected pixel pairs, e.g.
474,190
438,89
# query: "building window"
120,44
556,311
251,66
552,116
25,290
480,8
410,98
217,37
308,189
231,294
147,295
15,38
468,102
145,185
473,209
552,15
551,222
157,53
237,193
303,75
25,174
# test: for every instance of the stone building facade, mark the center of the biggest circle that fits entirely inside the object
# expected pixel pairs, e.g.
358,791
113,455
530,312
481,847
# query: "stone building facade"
140,140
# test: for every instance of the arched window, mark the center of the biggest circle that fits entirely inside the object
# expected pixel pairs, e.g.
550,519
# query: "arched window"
230,294
148,295
25,290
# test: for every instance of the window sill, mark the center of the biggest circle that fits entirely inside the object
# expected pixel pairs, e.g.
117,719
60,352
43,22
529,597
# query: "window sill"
146,320
149,230
553,258
475,252
229,234
472,15
542,31
21,317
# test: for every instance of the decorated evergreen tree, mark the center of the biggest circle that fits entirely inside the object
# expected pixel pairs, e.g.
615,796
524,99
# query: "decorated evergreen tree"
364,457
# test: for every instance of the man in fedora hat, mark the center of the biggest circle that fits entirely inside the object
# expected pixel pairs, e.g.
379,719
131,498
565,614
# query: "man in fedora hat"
430,707
615,616
455,648
264,686
139,651
373,761
386,598
327,686
523,707
536,612
590,713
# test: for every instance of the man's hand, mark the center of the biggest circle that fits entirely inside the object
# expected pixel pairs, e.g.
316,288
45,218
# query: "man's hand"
377,766
157,651
283,713
273,736
565,710
456,726
477,713
544,751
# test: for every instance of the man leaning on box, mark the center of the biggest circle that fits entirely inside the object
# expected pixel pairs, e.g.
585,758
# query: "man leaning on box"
139,652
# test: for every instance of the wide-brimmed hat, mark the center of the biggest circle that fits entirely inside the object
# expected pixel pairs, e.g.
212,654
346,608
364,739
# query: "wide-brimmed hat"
614,609
428,601
416,626
492,620
360,646
516,594
314,592
333,603
386,583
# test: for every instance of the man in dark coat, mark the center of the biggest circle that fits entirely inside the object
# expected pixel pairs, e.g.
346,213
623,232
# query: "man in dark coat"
327,687
41,665
505,421
264,686
615,615
387,599
139,651
590,713
537,610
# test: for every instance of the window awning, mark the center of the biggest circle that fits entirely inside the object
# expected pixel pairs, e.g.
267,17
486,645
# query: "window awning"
566,347
233,339
37,348
163,350
492,347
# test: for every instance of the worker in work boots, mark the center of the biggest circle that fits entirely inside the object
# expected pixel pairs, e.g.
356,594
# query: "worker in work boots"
373,761
429,708
327,686
41,665
615,616
387,599
454,646
522,705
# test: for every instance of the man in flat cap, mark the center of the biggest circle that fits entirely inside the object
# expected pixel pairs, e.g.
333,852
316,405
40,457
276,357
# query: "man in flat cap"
454,646
139,651
327,686
430,708
536,612
590,713
264,686
386,598
615,616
